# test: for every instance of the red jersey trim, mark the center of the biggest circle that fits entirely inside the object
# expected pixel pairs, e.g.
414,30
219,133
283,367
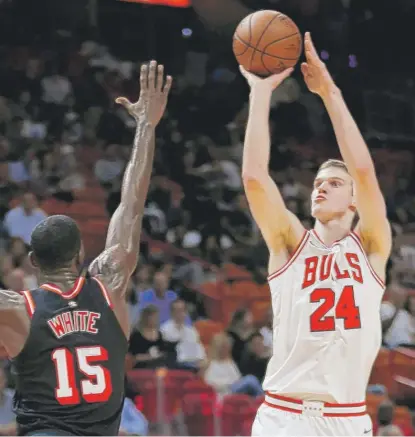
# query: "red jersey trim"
296,406
104,292
71,293
293,257
30,303
358,241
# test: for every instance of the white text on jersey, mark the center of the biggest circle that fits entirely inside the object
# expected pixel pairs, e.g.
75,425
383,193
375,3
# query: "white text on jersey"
74,321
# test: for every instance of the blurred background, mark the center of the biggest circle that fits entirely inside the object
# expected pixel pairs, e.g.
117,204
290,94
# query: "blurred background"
200,286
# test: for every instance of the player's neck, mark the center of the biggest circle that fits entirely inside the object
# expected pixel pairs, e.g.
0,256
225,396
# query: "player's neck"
64,278
332,231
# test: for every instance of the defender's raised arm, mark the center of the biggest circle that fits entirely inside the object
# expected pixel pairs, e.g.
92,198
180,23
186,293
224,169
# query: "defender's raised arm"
116,264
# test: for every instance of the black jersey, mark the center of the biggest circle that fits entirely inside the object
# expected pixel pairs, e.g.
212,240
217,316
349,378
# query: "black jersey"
70,373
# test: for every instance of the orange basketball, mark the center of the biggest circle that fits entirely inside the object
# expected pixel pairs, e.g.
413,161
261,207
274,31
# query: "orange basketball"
267,42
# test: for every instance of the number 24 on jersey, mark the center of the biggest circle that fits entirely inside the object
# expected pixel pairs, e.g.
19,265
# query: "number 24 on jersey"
345,309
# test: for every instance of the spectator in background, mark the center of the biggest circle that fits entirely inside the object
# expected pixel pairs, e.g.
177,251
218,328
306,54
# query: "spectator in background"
390,430
20,221
398,318
8,188
15,280
190,352
7,417
255,357
240,330
56,89
223,374
160,296
147,346
266,330
133,421
110,167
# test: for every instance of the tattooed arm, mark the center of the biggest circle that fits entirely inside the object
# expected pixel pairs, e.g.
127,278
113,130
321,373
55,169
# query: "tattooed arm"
119,259
14,323
11,300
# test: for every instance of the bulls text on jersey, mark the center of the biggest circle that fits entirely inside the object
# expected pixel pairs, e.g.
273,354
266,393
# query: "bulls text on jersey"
320,268
70,322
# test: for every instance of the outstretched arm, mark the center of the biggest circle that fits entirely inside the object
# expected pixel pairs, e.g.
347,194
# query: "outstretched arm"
373,226
279,227
116,264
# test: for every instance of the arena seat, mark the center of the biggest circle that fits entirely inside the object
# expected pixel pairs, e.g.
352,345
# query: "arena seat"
402,417
381,372
403,362
198,415
233,271
90,194
207,329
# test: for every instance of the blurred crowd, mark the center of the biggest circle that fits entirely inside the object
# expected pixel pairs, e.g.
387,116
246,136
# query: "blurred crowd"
57,100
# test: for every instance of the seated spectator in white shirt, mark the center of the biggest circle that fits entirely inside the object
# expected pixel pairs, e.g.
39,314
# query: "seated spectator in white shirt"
190,352
20,221
223,374
398,318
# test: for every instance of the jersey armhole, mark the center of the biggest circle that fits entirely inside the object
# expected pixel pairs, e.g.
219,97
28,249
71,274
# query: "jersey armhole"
292,258
358,240
104,291
30,303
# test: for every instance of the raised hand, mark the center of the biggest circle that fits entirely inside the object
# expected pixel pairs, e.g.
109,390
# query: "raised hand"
316,75
269,83
154,91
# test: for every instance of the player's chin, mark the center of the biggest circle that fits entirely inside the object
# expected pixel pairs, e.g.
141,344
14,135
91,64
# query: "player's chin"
316,211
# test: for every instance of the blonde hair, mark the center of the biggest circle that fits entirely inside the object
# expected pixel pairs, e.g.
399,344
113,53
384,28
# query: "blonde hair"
217,342
333,163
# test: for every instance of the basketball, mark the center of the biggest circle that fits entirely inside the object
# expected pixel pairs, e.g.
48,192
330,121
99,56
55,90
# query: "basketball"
267,42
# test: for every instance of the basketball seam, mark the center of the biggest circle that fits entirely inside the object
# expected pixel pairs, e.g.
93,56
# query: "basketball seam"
261,51
259,39
247,46
263,64
282,39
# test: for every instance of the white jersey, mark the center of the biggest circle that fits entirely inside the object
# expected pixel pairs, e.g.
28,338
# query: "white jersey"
326,328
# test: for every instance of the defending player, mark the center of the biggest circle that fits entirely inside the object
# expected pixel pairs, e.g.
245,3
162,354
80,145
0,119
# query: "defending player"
326,284
68,339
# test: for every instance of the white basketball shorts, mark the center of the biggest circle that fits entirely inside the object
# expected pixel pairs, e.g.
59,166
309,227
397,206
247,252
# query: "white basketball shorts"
280,417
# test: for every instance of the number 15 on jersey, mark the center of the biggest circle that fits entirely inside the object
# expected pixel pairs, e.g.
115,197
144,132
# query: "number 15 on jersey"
96,386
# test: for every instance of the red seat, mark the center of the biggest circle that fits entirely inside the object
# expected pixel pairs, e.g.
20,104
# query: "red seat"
138,377
381,372
235,409
53,206
197,386
159,406
404,388
180,377
403,362
87,209
207,329
199,415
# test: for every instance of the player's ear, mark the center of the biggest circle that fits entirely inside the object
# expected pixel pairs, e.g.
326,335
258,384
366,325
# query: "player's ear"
80,258
32,260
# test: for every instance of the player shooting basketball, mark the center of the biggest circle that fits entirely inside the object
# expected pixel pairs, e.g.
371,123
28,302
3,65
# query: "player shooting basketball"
326,284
